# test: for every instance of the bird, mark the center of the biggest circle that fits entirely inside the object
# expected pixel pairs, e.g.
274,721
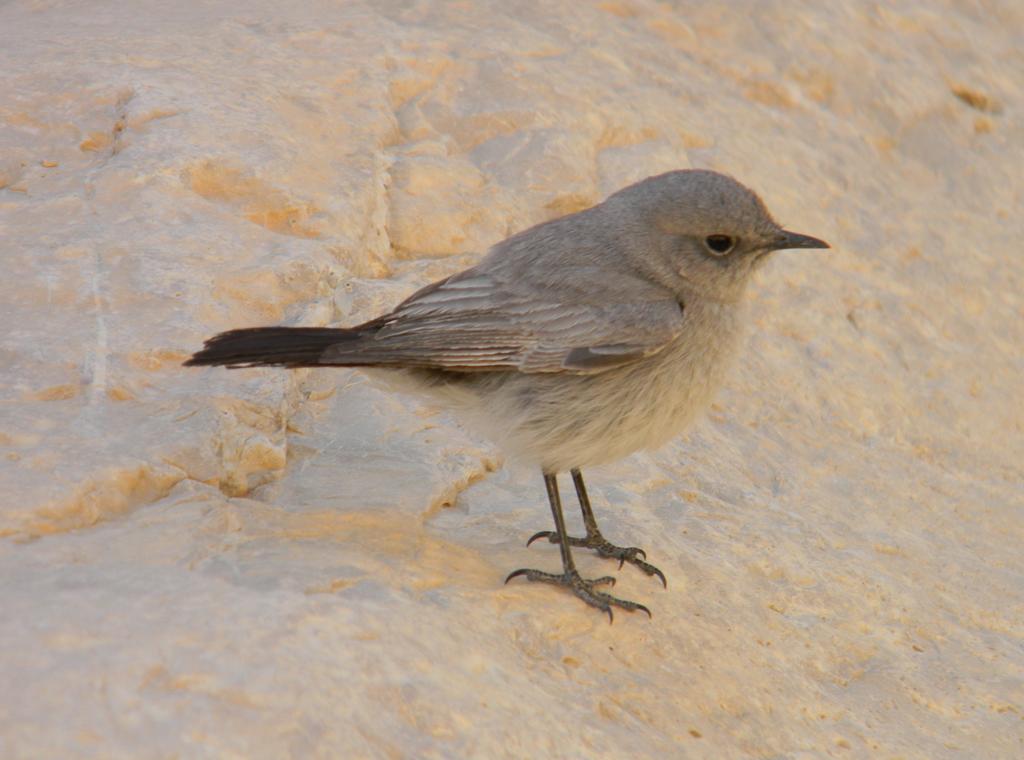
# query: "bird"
571,344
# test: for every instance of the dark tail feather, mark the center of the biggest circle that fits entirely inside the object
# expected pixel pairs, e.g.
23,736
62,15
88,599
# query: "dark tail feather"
272,346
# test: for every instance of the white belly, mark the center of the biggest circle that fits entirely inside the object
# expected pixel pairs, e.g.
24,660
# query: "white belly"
566,421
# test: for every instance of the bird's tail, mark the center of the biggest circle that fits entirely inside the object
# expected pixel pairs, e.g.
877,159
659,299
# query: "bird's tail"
273,347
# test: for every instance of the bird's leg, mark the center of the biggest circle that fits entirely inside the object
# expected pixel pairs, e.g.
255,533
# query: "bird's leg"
594,540
570,577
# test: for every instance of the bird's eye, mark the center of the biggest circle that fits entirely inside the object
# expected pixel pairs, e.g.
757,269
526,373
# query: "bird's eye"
720,244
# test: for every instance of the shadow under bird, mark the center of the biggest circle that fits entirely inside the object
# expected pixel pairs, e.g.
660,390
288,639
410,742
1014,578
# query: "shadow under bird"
573,343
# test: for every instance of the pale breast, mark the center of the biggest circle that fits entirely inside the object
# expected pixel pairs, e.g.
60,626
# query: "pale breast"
565,421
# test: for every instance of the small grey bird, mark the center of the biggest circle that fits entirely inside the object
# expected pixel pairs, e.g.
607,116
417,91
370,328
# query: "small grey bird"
576,342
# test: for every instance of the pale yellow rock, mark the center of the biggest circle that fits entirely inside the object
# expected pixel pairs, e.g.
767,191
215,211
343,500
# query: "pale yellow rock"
202,563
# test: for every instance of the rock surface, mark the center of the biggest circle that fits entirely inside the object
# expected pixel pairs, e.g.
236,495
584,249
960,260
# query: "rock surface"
267,564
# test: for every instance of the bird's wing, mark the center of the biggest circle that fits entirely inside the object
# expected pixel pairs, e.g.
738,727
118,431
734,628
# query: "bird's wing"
479,321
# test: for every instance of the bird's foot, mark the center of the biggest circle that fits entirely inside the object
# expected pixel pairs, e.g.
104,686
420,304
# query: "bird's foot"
631,554
583,588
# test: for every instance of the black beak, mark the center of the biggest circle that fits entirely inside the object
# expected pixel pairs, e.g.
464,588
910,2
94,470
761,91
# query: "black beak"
786,239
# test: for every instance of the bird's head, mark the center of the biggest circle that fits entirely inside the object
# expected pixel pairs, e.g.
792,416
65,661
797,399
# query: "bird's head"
709,231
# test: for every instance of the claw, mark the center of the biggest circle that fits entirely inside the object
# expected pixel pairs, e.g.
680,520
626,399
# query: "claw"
542,534
516,574
650,570
661,575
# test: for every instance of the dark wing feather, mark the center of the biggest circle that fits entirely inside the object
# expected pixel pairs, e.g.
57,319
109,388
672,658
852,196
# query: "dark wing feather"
476,322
